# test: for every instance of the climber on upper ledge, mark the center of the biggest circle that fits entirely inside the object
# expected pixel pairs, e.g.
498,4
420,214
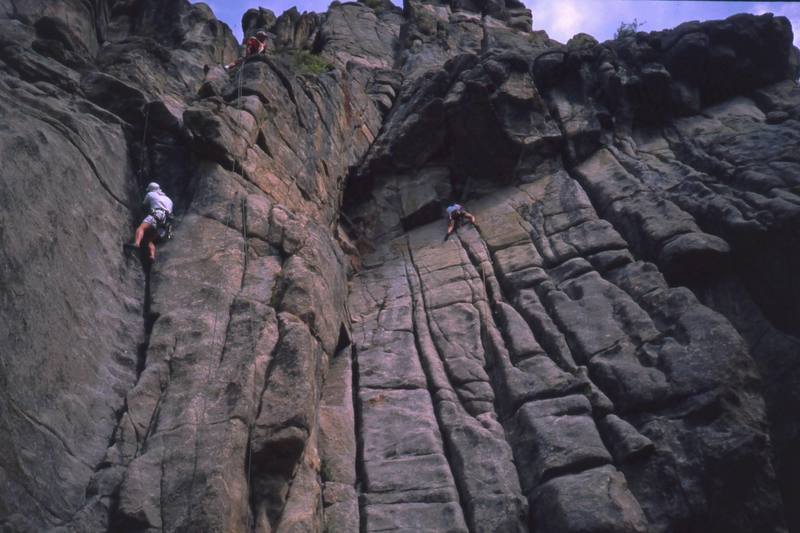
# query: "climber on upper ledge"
456,215
252,46
157,224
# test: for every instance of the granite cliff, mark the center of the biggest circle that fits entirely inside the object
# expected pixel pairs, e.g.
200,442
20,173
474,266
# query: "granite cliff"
615,348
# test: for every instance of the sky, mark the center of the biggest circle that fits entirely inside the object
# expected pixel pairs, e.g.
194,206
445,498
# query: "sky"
564,18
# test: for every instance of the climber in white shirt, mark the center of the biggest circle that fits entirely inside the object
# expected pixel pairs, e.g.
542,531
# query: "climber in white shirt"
156,225
456,214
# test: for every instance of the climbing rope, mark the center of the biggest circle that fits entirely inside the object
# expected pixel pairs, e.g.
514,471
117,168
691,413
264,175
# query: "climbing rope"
243,205
254,414
254,398
210,373
244,229
465,190
239,88
201,425
220,51
143,147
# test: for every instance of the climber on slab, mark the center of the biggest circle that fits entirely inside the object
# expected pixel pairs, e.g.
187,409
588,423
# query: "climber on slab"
252,46
456,215
157,224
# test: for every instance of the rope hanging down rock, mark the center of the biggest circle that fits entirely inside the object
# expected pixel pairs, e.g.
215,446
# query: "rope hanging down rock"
143,146
228,221
201,424
254,398
239,83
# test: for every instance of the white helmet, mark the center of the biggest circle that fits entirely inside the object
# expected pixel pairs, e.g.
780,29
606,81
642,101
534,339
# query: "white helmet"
153,186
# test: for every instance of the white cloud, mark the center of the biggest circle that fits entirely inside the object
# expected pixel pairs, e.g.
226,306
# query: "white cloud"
792,12
564,18
567,19
760,9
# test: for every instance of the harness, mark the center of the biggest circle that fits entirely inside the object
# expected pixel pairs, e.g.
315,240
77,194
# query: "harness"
164,223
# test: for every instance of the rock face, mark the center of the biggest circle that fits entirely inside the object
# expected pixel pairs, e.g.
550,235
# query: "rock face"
613,349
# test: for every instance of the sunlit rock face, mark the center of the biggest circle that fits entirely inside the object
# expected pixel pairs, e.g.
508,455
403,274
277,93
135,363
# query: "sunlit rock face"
613,348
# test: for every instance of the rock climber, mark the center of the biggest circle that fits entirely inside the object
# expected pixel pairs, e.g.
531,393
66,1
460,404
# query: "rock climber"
252,46
456,215
156,224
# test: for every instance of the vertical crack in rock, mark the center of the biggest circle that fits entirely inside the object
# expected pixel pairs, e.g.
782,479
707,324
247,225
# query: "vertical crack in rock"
405,478
641,342
435,374
360,472
490,492
541,453
339,447
212,367
689,166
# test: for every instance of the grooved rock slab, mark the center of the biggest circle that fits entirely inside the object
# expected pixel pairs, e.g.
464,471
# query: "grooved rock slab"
595,500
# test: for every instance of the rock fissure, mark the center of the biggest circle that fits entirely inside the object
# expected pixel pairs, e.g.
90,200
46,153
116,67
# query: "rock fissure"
418,303
45,428
86,157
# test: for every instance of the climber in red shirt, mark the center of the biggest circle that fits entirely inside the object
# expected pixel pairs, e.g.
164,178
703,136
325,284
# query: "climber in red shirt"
252,46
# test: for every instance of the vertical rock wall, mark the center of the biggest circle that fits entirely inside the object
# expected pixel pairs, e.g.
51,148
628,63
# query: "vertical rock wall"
308,354
601,193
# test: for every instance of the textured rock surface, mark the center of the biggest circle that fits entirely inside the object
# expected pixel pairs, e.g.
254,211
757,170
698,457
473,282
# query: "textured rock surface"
613,349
